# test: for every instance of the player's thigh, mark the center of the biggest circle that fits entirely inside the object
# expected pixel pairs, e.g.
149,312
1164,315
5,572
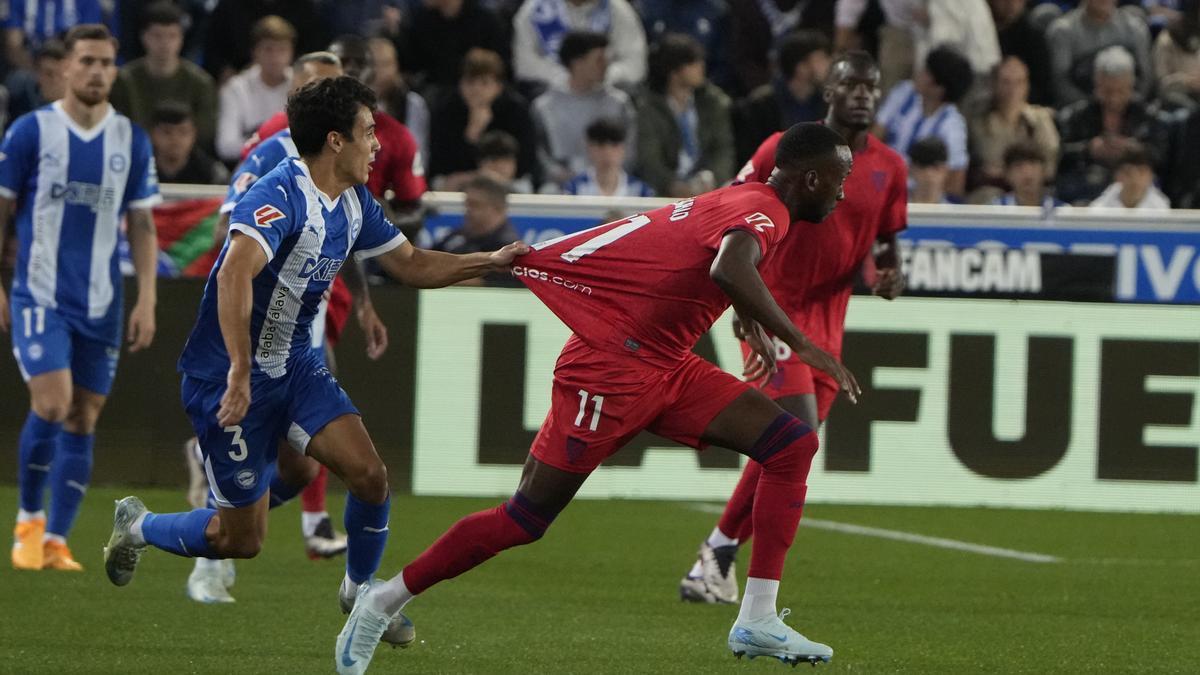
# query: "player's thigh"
743,421
42,348
701,393
346,448
94,362
548,488
325,424
803,406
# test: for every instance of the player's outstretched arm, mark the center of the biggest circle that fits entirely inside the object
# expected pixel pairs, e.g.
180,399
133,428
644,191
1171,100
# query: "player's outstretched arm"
143,244
421,268
6,209
735,270
889,283
235,302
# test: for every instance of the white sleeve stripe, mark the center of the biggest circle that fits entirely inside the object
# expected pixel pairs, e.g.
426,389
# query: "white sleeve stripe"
394,242
146,202
7,193
255,235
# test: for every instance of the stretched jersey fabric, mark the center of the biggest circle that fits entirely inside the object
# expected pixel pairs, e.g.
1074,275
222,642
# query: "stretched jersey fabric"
265,156
641,286
306,237
72,185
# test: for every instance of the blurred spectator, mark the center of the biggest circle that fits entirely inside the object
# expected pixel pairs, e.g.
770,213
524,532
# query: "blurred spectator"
498,152
1183,184
1177,59
161,75
563,113
176,155
230,43
1163,12
258,92
795,95
540,26
1134,183
29,23
757,26
1025,171
1096,132
1021,37
1078,37
480,103
29,91
396,99
439,33
965,25
705,20
927,106
361,17
485,226
685,142
903,20
929,172
1009,119
605,175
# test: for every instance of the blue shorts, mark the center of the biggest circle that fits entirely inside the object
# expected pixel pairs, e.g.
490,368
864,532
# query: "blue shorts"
44,341
295,406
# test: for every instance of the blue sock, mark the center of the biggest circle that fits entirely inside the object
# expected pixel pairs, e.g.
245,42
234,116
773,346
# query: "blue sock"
367,532
179,533
36,453
69,480
281,492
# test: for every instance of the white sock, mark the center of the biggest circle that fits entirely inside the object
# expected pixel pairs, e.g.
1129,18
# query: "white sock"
758,600
392,595
208,565
57,538
136,530
719,538
310,520
24,516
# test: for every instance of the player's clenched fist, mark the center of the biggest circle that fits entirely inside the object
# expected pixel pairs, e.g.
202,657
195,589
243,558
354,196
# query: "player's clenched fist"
236,400
889,284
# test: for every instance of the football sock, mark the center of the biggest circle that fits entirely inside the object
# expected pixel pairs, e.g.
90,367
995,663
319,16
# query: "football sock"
309,520
759,599
282,492
36,452
393,595
367,533
719,538
312,499
179,533
69,480
736,520
786,451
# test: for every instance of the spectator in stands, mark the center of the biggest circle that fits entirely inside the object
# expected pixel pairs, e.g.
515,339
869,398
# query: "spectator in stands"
1096,132
685,142
966,26
29,91
1009,119
29,23
308,68
231,42
540,26
563,113
395,97
361,17
479,104
903,20
437,35
758,26
795,95
485,226
605,175
1079,36
498,153
177,156
1177,60
927,106
929,172
705,20
1025,171
161,75
1021,37
1133,187
1183,178
258,92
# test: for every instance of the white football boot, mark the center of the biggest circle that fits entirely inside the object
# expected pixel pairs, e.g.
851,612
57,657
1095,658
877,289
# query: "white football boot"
770,636
717,581
206,583
121,555
400,630
356,643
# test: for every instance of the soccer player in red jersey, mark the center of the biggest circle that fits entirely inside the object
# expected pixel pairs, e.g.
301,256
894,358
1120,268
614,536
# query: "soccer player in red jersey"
638,293
812,277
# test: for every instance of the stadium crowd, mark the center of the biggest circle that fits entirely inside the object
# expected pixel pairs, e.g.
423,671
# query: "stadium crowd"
1011,102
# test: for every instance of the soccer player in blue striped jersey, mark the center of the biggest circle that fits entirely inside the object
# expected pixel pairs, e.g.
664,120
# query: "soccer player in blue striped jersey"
71,170
250,376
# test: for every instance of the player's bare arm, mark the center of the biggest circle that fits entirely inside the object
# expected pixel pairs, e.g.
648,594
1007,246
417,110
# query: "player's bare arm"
889,283
6,210
364,310
143,242
235,301
735,271
420,268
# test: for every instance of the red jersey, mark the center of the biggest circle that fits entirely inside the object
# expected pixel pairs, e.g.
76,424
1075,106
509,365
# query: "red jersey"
398,164
641,286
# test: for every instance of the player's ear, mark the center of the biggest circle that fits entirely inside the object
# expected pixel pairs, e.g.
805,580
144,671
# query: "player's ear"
334,140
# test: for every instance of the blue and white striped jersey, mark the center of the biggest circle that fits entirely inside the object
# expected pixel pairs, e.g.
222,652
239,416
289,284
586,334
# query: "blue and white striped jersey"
307,237
903,118
266,156
586,184
72,186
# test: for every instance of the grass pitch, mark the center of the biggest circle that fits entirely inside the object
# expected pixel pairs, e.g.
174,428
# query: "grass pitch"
598,595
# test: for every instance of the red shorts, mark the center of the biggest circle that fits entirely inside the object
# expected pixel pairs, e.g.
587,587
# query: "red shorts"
338,311
796,378
601,400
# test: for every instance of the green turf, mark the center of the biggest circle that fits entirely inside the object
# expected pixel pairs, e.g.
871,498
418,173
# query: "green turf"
598,595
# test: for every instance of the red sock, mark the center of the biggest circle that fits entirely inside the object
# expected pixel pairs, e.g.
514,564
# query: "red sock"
312,498
735,520
779,500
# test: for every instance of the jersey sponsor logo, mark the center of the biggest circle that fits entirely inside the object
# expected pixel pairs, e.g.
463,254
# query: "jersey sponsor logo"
321,269
540,275
760,222
246,478
282,192
79,193
267,214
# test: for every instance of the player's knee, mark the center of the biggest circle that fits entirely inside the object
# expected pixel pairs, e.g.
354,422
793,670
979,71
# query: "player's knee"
787,445
81,420
51,408
533,519
241,547
370,482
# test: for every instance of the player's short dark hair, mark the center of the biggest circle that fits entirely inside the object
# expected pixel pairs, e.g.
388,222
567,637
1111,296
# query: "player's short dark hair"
668,54
88,31
1023,152
951,71
1135,154
927,152
170,112
323,106
855,59
494,190
271,27
51,49
804,143
795,47
162,14
481,62
605,131
497,144
578,44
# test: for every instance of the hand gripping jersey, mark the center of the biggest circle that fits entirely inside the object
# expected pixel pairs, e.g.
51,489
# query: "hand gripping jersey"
641,286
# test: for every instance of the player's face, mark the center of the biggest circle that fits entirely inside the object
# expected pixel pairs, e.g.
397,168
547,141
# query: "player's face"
853,94
91,70
356,154
813,195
